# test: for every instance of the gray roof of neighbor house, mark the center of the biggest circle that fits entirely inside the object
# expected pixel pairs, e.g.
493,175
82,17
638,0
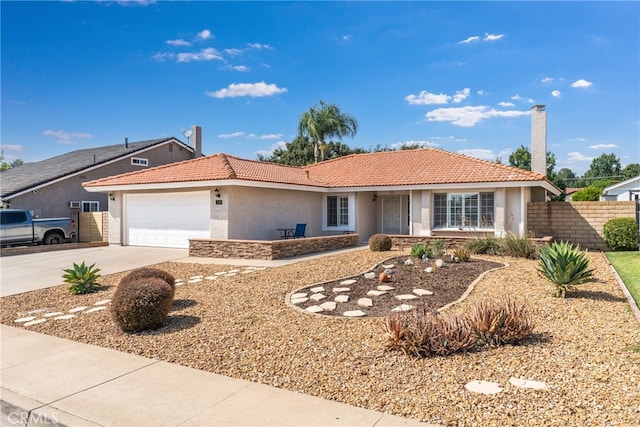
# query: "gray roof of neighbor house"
33,174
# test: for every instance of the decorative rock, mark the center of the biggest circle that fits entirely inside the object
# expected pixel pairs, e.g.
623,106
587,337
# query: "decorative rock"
104,301
370,275
422,292
65,317
385,277
25,319
406,297
439,263
484,387
388,266
408,262
385,288
314,309
299,300
428,270
317,289
348,282
77,309
354,313
338,290
317,297
390,271
375,293
35,322
55,313
530,384
402,307
342,298
299,295
94,309
329,305
365,302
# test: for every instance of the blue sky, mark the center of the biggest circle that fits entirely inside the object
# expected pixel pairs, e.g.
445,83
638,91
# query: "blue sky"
461,76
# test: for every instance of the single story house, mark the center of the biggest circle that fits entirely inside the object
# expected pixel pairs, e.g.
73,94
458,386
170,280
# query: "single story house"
53,187
421,192
622,191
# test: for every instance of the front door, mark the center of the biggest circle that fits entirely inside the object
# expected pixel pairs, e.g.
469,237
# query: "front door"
391,215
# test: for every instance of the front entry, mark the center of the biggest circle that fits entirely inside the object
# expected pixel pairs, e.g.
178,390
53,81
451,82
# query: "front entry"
391,215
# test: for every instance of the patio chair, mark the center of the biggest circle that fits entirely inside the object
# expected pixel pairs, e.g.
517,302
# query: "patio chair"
300,229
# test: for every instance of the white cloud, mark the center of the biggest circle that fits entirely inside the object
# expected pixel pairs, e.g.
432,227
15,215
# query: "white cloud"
231,135
163,56
479,153
203,35
233,51
480,92
576,156
492,37
66,137
271,136
516,97
259,46
556,93
547,79
461,95
581,83
577,139
178,42
599,146
347,37
427,98
469,40
12,147
253,90
207,54
506,104
469,116
241,68
281,145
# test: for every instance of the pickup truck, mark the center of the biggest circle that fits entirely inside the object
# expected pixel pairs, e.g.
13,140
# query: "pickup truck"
17,226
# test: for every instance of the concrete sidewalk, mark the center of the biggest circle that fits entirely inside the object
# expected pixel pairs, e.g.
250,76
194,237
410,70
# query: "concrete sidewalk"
53,381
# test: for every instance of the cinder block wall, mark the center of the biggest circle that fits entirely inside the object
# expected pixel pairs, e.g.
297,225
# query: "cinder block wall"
93,227
576,222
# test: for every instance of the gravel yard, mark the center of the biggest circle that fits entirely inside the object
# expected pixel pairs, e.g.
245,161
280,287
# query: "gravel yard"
240,326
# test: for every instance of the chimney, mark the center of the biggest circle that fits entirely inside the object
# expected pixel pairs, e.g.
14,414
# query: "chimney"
126,142
196,140
539,139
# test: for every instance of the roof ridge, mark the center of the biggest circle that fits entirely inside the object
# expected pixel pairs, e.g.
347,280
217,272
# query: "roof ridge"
227,166
264,162
496,164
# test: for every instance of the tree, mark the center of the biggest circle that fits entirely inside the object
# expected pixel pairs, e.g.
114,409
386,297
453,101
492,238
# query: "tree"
631,171
567,176
592,192
521,159
4,165
300,153
327,121
602,167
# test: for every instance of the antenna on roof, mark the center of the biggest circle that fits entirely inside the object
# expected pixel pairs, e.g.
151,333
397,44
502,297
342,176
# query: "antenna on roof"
187,134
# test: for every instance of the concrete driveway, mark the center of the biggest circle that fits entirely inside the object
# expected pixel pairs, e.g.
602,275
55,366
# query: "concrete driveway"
24,273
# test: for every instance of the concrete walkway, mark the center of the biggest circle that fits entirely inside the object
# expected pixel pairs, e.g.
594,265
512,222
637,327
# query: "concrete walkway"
52,381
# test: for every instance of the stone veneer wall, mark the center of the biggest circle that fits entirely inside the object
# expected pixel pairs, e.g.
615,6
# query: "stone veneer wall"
269,249
576,222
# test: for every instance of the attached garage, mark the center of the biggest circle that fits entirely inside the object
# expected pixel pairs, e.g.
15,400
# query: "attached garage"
167,220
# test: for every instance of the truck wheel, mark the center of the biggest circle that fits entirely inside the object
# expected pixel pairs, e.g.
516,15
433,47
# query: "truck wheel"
54,239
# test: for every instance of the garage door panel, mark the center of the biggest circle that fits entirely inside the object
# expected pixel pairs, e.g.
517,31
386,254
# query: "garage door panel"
168,219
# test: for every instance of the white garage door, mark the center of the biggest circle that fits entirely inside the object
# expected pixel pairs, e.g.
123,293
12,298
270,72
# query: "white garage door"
167,220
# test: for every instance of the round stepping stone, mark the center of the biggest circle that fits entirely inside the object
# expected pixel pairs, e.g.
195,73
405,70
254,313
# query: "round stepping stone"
94,309
341,298
299,300
406,297
25,319
317,289
365,302
55,313
317,297
388,266
65,317
338,290
348,282
299,295
77,309
354,313
484,387
314,309
329,305
385,288
375,293
403,307
530,384
422,292
102,302
370,275
35,322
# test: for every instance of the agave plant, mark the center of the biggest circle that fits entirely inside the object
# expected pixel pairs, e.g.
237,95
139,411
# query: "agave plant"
82,278
564,265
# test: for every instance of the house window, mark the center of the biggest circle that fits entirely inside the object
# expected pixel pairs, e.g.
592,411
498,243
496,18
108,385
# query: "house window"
339,213
463,210
90,206
137,161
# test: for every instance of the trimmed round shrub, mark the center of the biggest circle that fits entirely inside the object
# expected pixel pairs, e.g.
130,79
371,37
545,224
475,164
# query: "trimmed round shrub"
149,272
141,304
621,234
380,242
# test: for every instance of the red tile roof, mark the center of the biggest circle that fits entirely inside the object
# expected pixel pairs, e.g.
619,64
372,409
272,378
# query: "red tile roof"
389,168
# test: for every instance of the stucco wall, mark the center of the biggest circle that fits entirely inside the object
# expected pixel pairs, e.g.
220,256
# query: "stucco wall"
576,222
366,214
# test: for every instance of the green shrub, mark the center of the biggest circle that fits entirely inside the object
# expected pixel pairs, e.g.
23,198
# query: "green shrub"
380,243
149,272
587,194
464,255
501,322
419,250
435,249
484,245
621,234
519,247
564,265
82,279
141,304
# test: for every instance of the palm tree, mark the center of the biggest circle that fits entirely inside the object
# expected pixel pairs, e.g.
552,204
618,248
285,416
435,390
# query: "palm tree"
328,121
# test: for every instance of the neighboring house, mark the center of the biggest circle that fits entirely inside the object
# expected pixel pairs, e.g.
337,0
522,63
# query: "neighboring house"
421,192
622,191
53,187
569,192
